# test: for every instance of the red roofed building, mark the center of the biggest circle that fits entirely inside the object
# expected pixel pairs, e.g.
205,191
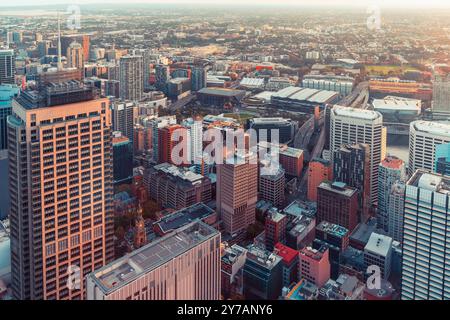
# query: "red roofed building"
290,263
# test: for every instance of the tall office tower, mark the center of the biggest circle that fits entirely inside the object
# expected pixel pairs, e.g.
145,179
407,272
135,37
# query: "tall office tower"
378,252
271,187
441,94
337,203
123,117
147,61
183,265
43,47
237,193
275,228
7,93
162,75
195,139
425,265
391,170
319,170
75,57
122,158
83,39
198,78
61,190
131,77
314,265
442,159
166,143
424,136
7,67
395,211
352,166
157,124
350,126
263,274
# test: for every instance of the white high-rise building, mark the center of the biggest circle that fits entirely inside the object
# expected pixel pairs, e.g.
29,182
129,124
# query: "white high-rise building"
350,126
195,139
424,136
395,210
426,238
391,170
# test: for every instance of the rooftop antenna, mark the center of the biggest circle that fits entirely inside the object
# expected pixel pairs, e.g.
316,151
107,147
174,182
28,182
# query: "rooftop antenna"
59,45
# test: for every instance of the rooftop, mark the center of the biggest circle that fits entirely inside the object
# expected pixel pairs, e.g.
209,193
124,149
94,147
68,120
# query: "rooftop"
392,162
356,113
315,254
332,229
262,257
430,181
339,188
298,208
231,254
183,217
132,266
379,244
435,128
221,92
303,290
286,253
397,103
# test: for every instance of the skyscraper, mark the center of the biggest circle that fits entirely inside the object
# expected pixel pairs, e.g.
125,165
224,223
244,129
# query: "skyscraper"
424,136
352,166
75,56
198,78
350,126
123,118
7,92
195,139
441,93
442,159
83,39
162,75
131,77
391,170
122,158
395,211
237,193
425,265
7,67
61,191
184,265
157,124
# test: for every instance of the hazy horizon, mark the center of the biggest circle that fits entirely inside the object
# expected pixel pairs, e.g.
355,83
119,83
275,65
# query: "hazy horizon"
359,3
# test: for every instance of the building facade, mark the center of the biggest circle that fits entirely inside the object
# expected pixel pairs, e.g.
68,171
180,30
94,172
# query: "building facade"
425,265
350,126
424,137
184,265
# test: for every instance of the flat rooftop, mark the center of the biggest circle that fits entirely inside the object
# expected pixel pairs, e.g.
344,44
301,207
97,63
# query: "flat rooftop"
332,229
435,128
430,181
379,244
397,104
356,113
262,257
339,188
183,217
144,260
221,92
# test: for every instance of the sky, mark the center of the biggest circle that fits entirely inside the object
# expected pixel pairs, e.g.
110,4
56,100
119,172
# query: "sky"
381,3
